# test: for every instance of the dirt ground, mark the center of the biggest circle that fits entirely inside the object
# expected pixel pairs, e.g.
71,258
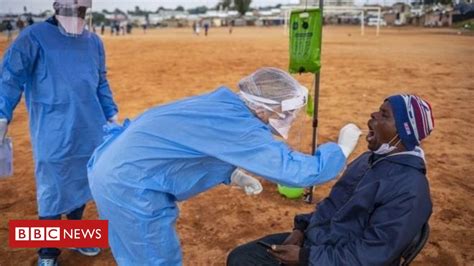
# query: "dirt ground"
357,73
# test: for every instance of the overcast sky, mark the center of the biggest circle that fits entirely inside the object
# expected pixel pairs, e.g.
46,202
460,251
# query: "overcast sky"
16,6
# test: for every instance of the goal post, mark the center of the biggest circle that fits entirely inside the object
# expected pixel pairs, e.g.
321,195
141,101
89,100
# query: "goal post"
337,10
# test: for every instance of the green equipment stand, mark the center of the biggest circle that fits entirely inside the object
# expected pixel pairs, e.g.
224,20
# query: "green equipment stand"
305,56
305,41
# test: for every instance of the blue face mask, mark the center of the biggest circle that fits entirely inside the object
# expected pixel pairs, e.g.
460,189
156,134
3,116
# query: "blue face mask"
386,147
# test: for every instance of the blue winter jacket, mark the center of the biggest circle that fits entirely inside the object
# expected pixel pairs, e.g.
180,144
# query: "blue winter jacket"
371,215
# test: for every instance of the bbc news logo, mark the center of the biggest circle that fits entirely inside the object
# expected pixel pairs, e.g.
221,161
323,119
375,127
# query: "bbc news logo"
58,233
37,233
55,233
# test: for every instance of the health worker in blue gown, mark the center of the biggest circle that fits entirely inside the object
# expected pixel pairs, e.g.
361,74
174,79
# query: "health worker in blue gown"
175,151
60,68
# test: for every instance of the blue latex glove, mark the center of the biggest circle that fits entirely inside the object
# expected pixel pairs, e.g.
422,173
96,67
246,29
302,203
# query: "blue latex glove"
6,158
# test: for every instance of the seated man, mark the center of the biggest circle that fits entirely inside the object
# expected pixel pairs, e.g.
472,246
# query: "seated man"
374,211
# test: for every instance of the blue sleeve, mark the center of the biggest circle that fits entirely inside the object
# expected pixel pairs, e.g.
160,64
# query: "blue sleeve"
273,160
278,163
391,228
17,67
235,136
103,92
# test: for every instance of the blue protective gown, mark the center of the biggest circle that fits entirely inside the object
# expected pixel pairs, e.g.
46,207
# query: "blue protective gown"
173,152
68,100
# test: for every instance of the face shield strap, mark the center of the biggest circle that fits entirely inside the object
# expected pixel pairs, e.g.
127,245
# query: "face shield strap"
256,99
72,11
70,3
262,102
286,106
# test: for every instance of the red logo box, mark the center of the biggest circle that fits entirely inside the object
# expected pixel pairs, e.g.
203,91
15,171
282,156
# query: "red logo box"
58,233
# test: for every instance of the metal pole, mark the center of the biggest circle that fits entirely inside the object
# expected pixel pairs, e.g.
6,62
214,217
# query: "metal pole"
362,22
308,195
317,78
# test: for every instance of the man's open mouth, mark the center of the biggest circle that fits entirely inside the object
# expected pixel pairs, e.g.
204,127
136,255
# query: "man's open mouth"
371,134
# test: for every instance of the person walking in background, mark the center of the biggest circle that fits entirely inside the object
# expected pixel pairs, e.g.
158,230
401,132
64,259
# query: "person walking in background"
231,26
123,27
30,20
117,28
9,28
60,67
20,24
198,27
206,28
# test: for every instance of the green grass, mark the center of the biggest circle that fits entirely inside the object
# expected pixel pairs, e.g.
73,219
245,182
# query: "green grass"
466,25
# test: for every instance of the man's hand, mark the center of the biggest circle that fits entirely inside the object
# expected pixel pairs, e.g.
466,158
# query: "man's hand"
287,254
295,238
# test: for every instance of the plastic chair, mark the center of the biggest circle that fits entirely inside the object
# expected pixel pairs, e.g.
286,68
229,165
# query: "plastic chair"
416,245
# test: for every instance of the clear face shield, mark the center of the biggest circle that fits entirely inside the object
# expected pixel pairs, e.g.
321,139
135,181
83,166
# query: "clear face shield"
282,114
282,123
73,16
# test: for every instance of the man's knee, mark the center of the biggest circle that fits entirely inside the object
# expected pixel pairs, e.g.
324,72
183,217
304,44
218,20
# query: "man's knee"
254,254
233,257
239,256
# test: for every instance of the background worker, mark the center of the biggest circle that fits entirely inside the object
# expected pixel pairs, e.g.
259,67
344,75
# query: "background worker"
60,67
